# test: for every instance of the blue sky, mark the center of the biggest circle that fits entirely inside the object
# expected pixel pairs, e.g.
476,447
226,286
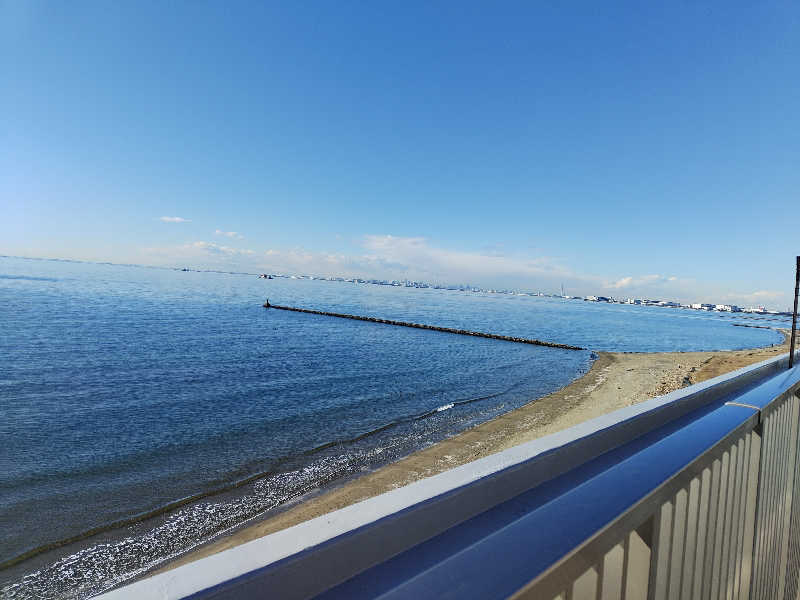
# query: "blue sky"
621,147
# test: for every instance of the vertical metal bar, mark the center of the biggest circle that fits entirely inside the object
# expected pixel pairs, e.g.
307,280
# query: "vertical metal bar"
690,548
791,529
611,587
780,501
713,504
741,516
788,491
758,529
585,586
726,572
772,476
767,478
641,550
678,543
702,532
727,528
601,573
777,502
750,515
794,313
793,566
739,491
719,540
626,559
775,520
659,559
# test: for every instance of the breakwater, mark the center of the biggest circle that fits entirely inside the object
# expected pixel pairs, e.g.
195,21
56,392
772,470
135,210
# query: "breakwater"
493,336
752,326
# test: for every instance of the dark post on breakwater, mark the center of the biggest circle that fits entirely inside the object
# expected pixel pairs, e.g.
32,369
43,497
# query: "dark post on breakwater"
492,336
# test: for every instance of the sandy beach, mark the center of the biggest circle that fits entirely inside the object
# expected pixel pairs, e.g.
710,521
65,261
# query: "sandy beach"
615,380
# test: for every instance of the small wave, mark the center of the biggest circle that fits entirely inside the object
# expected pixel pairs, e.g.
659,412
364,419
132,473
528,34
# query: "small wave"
27,278
405,420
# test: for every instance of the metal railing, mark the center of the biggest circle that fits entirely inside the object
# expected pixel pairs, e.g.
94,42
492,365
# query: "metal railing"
694,542
725,526
692,495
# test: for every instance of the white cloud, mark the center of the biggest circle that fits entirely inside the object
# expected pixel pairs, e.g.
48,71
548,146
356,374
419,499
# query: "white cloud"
174,220
214,248
418,259
199,254
632,283
386,257
393,257
757,298
231,234
621,284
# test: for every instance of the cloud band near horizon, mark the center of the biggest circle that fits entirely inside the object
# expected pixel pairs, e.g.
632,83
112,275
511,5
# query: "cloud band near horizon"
415,258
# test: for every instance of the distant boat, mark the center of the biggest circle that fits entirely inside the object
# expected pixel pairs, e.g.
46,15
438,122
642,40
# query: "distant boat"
265,276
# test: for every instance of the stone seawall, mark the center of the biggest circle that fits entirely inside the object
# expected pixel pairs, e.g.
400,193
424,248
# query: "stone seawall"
492,336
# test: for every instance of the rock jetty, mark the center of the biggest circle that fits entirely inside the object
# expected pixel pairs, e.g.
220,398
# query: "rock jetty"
493,336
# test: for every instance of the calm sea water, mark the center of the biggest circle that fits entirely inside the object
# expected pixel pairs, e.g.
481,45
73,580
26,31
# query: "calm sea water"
158,408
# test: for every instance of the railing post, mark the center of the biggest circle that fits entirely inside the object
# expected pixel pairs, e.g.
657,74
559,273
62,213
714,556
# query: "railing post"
660,556
788,494
748,544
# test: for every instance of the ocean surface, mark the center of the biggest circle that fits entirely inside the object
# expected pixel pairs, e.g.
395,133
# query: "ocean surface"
145,411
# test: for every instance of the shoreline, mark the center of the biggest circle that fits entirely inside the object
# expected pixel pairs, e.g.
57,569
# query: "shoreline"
615,380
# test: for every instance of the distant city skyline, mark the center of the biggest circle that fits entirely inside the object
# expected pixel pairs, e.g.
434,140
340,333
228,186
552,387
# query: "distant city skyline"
442,284
625,150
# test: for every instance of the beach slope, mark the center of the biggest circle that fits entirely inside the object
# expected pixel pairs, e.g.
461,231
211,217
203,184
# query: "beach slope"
615,380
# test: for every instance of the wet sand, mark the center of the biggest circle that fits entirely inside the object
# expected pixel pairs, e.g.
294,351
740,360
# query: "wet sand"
615,380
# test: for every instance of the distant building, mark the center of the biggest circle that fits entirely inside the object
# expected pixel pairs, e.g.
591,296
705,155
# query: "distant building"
760,309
